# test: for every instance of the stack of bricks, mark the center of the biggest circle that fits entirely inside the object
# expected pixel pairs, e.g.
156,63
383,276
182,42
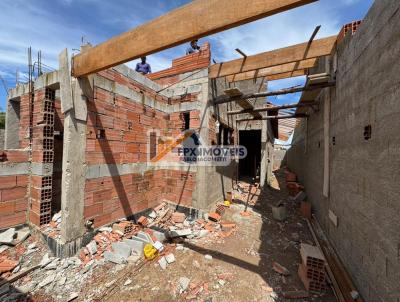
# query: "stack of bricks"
348,28
312,269
42,155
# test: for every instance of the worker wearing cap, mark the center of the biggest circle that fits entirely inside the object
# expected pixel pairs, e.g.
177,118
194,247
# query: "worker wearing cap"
143,67
193,47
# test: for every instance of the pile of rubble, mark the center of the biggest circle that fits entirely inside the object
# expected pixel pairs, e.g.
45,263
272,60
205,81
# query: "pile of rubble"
11,238
125,241
154,237
53,228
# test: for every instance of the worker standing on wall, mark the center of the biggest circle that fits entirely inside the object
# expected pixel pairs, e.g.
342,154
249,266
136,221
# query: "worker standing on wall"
143,67
193,47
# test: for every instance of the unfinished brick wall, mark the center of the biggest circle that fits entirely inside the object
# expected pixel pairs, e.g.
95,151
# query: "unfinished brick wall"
184,64
13,188
118,136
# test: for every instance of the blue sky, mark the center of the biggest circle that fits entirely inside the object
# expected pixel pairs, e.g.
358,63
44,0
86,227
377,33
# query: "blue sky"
51,25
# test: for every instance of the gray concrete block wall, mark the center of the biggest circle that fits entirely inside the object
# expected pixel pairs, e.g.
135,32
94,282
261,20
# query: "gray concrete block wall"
365,174
2,133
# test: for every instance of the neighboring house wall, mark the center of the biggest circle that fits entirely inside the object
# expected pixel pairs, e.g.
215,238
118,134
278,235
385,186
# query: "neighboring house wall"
364,174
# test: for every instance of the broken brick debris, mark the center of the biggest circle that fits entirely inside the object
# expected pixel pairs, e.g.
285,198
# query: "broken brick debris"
213,216
294,188
143,221
227,225
178,217
305,209
7,265
124,227
280,269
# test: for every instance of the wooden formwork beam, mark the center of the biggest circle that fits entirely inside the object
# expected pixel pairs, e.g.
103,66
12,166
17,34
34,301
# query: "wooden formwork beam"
270,108
295,53
277,117
276,72
197,19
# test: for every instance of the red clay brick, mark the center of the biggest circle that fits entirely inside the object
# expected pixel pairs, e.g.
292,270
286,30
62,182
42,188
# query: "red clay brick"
13,194
93,210
7,265
7,208
102,220
22,180
214,216
21,205
142,221
15,156
7,182
12,220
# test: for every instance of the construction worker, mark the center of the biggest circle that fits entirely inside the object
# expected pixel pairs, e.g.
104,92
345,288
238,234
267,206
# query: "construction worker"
143,67
193,47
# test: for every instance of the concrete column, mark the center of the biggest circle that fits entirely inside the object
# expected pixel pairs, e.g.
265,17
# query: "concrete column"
73,178
200,196
74,160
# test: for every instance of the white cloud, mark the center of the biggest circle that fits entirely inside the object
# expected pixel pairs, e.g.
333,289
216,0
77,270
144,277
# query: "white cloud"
285,29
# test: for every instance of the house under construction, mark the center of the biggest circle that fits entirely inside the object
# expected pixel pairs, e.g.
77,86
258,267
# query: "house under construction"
89,139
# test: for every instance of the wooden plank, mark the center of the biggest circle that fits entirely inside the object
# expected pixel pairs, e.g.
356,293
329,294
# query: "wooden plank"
278,117
286,75
232,92
226,99
274,71
270,108
246,105
65,82
19,275
318,48
197,19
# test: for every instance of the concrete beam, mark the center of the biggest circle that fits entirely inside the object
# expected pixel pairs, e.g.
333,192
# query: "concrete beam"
65,81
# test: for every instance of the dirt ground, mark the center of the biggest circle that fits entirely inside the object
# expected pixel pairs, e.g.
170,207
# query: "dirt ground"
241,265
218,267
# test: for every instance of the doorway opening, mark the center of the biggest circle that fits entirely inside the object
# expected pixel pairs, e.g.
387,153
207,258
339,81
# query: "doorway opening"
249,167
